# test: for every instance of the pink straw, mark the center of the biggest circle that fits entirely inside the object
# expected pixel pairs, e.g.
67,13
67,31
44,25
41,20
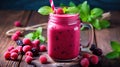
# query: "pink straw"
52,5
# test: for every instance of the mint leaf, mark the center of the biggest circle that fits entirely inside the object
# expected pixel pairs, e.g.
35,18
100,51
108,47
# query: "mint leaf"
45,10
62,5
39,30
96,12
42,39
104,23
30,36
96,24
36,35
72,10
71,4
112,55
79,6
115,46
85,9
64,9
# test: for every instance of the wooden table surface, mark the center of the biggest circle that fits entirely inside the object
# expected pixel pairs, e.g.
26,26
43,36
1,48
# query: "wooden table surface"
102,37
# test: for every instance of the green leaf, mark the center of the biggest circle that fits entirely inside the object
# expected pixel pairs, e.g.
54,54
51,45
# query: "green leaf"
96,12
72,10
45,10
112,55
42,39
64,9
62,5
96,24
115,46
85,9
79,6
30,36
104,23
71,4
39,30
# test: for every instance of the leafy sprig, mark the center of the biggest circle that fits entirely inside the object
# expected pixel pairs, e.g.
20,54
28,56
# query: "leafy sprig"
116,50
36,35
87,14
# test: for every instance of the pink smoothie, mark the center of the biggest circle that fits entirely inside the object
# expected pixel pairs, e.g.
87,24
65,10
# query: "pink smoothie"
63,36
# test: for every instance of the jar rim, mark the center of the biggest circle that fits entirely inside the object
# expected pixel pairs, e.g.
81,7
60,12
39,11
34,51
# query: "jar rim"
64,15
64,19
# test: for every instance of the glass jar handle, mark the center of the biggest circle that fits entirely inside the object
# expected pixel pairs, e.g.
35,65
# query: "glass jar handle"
91,34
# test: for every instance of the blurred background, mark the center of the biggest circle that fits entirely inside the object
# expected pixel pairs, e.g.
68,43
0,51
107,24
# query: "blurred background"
36,4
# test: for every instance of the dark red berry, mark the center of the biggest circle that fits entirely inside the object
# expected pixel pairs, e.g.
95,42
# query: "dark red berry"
26,41
28,59
43,48
14,56
97,52
43,59
14,50
15,37
10,48
18,33
29,53
59,11
84,62
19,48
36,44
86,55
26,48
17,24
7,55
94,59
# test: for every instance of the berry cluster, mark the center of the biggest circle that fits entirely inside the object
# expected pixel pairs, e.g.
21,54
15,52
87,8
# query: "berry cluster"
27,47
95,50
87,59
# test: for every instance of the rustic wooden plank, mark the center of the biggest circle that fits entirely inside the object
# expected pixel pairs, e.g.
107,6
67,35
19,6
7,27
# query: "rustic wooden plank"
7,19
103,38
37,19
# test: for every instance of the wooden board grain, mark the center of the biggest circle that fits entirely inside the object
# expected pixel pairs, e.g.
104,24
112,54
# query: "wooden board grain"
7,19
104,37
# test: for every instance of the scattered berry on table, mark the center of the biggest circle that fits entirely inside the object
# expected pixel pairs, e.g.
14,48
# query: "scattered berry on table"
28,59
26,41
43,59
86,55
17,24
19,48
59,11
94,59
14,50
29,53
14,37
97,52
35,51
10,48
84,62
43,48
18,33
26,48
14,56
36,42
93,46
19,43
7,55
